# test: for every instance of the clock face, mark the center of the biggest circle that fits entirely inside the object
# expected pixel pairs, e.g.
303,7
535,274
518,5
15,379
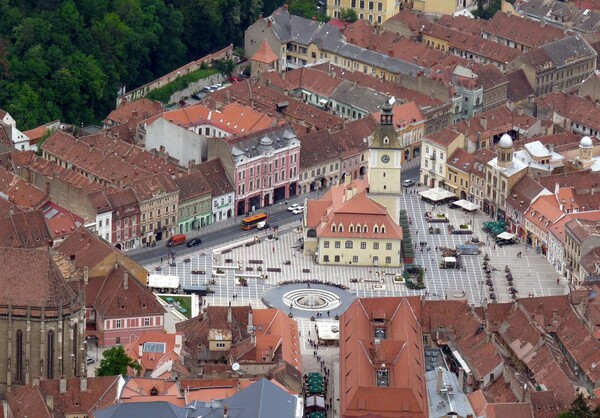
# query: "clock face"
385,158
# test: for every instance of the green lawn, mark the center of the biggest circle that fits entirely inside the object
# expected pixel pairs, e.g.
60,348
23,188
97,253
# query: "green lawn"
184,301
164,93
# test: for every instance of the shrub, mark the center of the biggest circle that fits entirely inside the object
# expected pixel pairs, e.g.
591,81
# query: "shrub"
164,93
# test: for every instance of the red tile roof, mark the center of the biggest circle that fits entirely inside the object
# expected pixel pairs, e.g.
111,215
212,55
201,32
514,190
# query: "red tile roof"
216,176
45,285
20,192
337,207
521,30
264,54
110,298
24,230
131,113
146,188
401,353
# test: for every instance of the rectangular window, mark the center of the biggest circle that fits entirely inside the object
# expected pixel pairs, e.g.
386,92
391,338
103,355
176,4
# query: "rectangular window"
388,246
146,322
363,245
337,244
375,245
388,260
100,223
355,259
326,244
118,323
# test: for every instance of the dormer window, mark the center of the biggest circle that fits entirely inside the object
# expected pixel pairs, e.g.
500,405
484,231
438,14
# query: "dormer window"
383,229
386,140
375,229
365,229
341,228
383,378
333,228
351,228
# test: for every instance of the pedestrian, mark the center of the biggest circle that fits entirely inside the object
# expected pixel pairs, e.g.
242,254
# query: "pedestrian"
309,333
557,280
273,248
417,233
161,260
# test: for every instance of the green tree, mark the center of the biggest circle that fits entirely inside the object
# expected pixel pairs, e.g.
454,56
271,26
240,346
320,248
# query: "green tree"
115,362
581,409
348,15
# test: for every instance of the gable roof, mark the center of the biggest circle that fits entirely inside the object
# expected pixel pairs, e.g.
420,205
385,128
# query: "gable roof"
24,230
401,352
264,54
85,249
111,298
216,176
192,186
142,410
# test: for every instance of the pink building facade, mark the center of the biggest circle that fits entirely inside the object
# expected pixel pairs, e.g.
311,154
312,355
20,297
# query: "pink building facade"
124,330
264,166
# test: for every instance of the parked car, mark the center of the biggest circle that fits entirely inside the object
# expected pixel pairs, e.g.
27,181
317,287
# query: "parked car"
176,240
194,242
90,360
408,183
294,206
298,210
502,242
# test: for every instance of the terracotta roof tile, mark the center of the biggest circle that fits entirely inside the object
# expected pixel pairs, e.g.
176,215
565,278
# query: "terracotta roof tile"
401,351
111,299
216,176
518,86
522,30
191,186
25,230
264,54
130,113
101,393
45,286
85,249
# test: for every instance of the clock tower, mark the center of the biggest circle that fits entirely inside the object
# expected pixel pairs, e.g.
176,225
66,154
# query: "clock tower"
385,156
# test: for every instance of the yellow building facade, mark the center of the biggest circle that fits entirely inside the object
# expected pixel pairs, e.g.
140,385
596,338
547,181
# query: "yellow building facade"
376,12
437,7
346,227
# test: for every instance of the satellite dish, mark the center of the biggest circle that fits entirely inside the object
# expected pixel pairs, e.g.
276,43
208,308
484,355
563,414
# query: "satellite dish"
235,367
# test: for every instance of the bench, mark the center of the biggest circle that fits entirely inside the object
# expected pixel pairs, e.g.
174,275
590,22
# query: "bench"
255,262
198,271
249,268
229,260
226,251
187,260
274,269
305,270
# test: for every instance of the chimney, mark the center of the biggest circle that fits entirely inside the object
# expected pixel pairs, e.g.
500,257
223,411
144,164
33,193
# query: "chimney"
85,275
125,281
140,350
83,384
461,379
229,314
554,316
483,122
205,315
225,410
134,113
440,380
62,385
468,122
250,324
50,402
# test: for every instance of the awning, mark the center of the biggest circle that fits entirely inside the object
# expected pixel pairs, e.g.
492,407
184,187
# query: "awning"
506,235
460,360
436,194
323,101
306,92
466,205
449,260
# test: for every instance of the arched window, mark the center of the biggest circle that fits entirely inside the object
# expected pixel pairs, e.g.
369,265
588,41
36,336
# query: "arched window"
341,228
333,228
19,375
365,228
375,229
312,233
50,356
349,244
382,229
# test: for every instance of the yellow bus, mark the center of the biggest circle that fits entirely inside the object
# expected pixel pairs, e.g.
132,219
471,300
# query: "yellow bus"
252,221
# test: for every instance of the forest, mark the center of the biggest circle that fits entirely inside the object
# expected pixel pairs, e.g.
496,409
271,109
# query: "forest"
67,59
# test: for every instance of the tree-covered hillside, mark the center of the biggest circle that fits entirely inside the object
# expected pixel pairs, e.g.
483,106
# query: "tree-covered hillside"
67,59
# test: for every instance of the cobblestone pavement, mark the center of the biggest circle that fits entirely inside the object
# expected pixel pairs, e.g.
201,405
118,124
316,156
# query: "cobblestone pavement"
532,273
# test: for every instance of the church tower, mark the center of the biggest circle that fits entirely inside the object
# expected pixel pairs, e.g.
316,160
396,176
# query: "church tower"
385,156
